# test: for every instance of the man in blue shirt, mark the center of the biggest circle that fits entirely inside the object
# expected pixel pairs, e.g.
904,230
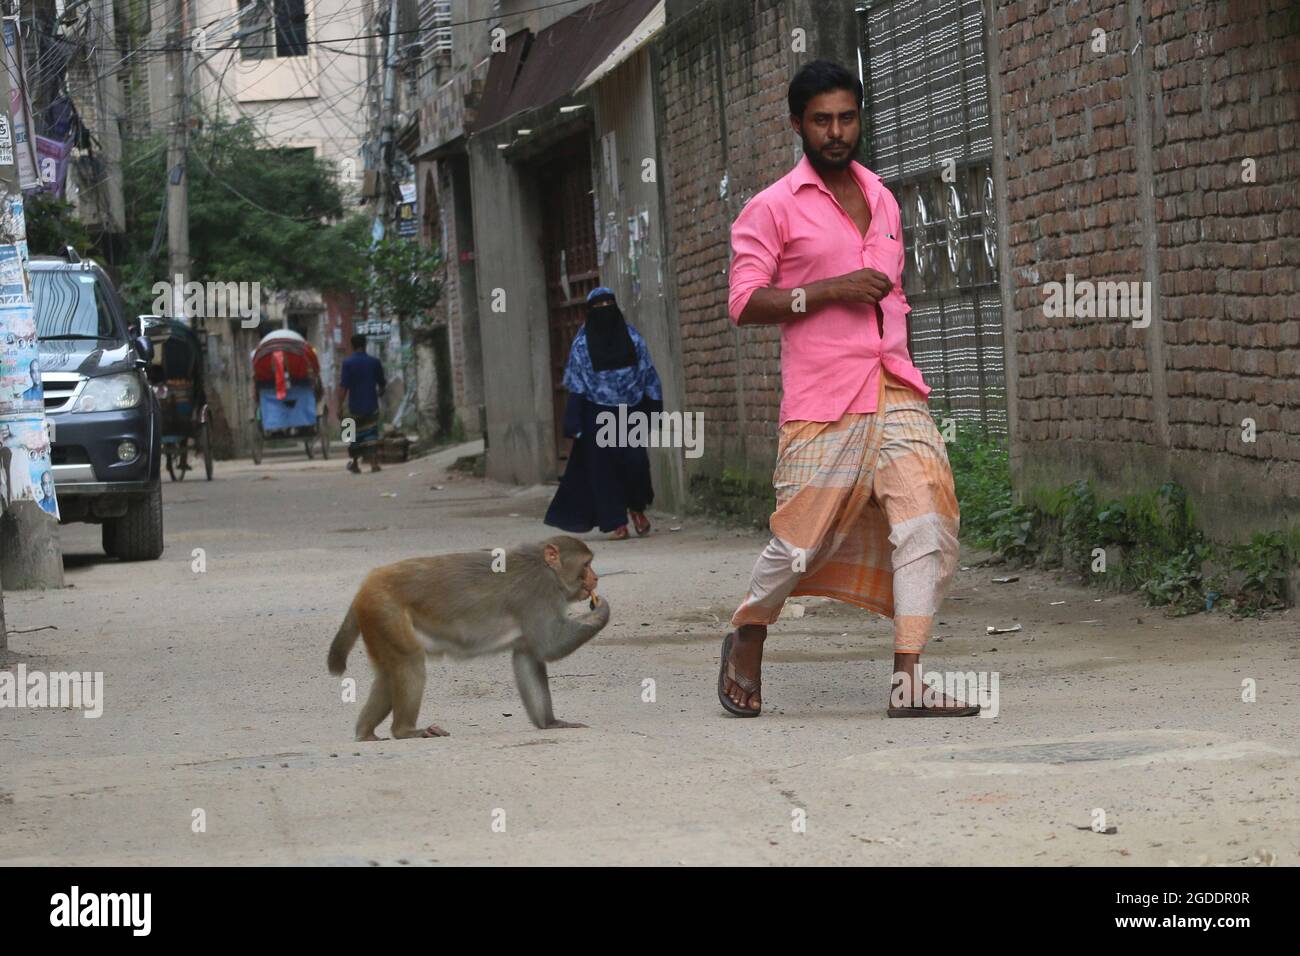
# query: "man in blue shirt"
361,384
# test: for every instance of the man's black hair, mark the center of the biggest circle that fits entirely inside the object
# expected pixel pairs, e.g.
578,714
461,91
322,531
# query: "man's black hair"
821,76
358,342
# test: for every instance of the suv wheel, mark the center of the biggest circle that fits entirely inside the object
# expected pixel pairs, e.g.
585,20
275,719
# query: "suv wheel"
137,535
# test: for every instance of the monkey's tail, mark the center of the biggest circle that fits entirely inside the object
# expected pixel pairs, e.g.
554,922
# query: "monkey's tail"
342,643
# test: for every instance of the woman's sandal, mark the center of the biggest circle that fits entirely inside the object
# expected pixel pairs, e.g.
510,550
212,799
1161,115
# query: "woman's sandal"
641,522
727,672
620,533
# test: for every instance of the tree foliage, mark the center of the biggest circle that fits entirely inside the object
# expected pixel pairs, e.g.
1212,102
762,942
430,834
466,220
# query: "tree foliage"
257,213
52,225
403,281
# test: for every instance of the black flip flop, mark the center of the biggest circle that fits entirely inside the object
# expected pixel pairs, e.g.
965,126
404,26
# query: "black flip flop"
727,672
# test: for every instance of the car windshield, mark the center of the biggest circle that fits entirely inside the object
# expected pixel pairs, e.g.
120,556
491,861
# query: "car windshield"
70,304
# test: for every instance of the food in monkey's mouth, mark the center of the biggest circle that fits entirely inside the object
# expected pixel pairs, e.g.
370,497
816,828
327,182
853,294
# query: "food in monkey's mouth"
592,595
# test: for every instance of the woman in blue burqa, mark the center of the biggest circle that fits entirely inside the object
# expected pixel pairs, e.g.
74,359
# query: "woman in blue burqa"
607,477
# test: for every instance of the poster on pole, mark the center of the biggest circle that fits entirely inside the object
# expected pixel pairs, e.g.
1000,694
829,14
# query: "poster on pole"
6,142
25,473
20,364
13,284
20,112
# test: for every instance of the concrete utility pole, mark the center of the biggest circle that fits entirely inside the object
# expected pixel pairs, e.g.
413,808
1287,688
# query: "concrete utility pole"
388,118
388,127
108,110
178,178
30,555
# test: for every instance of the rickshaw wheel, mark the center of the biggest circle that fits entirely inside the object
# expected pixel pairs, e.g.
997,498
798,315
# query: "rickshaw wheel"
307,444
257,443
322,430
171,471
205,449
183,465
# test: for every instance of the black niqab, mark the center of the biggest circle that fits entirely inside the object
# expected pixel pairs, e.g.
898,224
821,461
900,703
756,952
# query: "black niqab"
609,343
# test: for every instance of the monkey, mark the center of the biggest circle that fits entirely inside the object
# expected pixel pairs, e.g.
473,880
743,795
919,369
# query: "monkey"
465,605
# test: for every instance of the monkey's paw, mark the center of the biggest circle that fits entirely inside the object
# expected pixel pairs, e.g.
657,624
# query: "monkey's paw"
560,724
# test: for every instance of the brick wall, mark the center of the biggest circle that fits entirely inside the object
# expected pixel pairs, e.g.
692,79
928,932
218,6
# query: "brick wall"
1123,166
723,68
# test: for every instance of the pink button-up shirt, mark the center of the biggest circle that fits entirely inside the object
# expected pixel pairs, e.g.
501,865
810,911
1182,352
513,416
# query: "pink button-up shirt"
795,232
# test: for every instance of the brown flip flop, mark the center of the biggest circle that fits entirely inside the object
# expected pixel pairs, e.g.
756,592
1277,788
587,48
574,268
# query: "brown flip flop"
728,672
971,710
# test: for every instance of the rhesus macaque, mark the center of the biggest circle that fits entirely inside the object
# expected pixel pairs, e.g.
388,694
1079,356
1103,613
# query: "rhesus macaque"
458,605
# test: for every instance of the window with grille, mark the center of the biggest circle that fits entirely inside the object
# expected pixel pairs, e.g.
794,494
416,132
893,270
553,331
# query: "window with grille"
272,28
928,136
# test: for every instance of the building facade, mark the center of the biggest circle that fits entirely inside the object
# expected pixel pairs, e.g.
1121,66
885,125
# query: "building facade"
1033,148
539,150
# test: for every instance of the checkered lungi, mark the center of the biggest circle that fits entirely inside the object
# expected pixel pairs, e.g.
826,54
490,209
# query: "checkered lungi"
866,514
366,439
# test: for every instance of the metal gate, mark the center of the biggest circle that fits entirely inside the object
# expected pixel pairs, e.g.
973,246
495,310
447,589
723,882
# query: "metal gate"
569,251
926,120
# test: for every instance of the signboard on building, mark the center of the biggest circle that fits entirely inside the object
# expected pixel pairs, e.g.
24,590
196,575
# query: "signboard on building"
407,224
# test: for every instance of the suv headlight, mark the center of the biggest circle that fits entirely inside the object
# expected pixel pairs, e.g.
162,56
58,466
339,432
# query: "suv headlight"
110,393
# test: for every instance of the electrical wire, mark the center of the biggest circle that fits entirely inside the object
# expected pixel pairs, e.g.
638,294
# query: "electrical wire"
613,8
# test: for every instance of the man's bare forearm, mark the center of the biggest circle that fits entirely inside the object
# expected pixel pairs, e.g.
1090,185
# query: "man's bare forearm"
774,306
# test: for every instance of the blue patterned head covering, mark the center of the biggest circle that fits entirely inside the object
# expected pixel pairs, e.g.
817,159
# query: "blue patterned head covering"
609,363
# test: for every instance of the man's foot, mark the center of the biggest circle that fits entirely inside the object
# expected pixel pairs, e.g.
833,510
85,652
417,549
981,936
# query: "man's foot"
910,696
354,467
739,683
374,466
640,522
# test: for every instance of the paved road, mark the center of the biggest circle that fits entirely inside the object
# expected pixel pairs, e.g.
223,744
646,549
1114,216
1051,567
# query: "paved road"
217,700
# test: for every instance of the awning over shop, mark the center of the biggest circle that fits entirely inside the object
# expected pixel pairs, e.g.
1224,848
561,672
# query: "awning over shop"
639,37
536,70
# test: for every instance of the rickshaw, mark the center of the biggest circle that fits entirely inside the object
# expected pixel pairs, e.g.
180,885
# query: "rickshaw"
176,375
289,393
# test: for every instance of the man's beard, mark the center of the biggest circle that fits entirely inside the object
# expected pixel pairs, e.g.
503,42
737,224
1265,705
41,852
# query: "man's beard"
823,163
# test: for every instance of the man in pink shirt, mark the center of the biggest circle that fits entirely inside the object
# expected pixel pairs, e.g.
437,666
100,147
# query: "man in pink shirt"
865,506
